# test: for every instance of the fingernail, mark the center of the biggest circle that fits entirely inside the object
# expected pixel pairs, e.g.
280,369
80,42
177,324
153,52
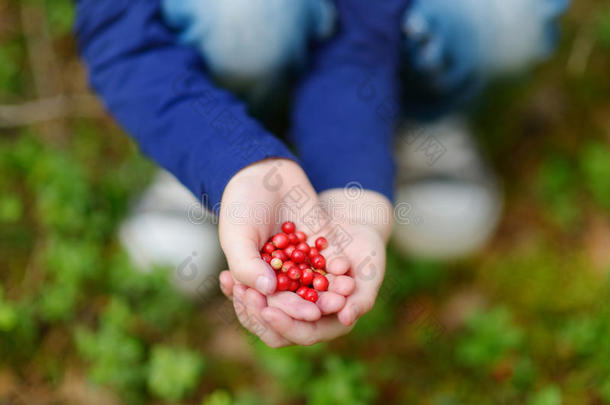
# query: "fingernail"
264,285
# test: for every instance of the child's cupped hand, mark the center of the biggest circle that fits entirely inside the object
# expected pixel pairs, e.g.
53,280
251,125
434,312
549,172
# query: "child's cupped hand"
255,202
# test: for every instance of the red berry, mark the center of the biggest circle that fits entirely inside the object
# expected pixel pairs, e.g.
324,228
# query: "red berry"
289,250
303,247
280,255
303,266
293,239
311,295
321,243
313,252
276,263
266,257
283,282
287,265
298,256
307,276
302,236
302,291
320,283
319,262
288,227
294,273
268,248
294,285
280,240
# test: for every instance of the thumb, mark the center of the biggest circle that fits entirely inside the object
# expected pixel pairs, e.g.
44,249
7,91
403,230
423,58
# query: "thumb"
246,265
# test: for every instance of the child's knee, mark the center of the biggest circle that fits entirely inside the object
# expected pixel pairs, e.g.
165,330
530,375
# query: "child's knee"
245,39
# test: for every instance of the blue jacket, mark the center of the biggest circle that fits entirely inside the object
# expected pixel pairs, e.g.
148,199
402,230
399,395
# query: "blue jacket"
159,91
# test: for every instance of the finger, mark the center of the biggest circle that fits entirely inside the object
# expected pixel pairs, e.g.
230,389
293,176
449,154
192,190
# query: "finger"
294,306
246,265
368,280
356,305
226,284
247,308
344,285
330,302
338,265
304,333
256,302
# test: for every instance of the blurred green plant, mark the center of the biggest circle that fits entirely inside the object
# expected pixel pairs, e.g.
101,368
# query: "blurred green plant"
293,367
343,382
586,337
594,162
148,292
316,375
11,208
218,397
524,375
403,278
11,79
8,315
117,358
173,372
69,263
489,336
60,15
61,266
550,395
602,28
557,186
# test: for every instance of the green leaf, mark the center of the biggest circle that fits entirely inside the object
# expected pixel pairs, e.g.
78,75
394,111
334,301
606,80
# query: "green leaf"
218,397
173,372
490,335
556,185
550,395
343,383
595,165
8,317
602,28
60,14
11,208
116,357
11,55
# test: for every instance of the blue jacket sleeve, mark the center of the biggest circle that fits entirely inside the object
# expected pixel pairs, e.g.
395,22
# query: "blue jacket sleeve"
159,92
345,108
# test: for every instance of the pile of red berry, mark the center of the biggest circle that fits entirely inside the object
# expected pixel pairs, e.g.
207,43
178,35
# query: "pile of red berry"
297,265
